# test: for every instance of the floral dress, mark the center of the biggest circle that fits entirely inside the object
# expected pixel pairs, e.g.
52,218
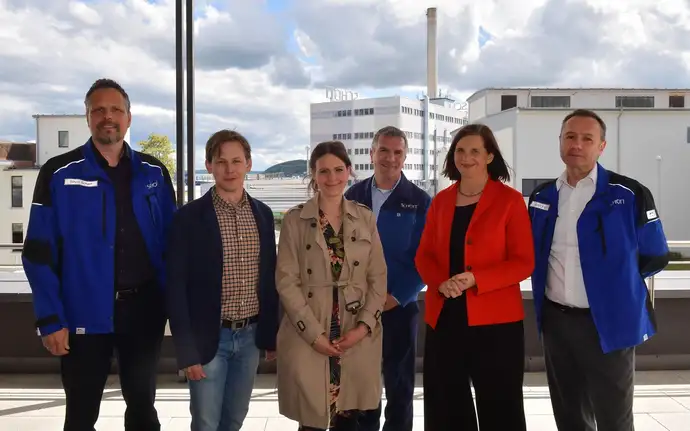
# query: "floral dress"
336,251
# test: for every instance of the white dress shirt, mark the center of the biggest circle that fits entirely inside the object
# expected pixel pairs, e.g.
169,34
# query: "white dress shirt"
564,282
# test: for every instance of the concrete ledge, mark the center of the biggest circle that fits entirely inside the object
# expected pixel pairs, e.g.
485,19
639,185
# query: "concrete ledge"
22,351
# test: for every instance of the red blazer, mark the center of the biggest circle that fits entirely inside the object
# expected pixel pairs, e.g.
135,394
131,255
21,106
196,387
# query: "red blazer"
499,252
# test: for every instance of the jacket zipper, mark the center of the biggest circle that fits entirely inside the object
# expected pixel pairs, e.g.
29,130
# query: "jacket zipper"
103,221
602,235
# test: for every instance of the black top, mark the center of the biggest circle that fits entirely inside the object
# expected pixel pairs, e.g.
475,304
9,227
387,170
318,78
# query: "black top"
454,312
133,265
461,221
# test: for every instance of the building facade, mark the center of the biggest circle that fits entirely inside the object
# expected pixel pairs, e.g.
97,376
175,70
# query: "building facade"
647,138
55,135
427,123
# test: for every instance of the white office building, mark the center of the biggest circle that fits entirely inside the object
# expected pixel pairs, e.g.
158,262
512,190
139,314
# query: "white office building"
648,138
55,134
354,122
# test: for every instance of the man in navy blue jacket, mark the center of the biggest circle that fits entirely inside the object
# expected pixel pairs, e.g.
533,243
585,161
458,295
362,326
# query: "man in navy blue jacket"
597,236
400,208
222,298
93,256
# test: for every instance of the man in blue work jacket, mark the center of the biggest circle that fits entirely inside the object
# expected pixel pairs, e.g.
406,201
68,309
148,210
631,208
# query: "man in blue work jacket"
400,208
93,255
597,236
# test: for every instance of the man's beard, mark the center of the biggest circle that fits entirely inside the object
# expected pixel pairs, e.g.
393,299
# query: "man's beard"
109,139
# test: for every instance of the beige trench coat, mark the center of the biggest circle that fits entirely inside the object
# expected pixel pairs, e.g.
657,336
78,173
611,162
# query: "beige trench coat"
305,283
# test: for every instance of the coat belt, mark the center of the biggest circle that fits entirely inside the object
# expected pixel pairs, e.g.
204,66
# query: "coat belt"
353,301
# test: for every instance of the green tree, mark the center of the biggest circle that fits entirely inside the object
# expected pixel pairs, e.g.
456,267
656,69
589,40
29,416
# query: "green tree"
160,147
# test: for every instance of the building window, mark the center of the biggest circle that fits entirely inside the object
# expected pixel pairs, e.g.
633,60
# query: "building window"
63,139
529,184
634,101
17,233
550,101
676,101
508,101
17,192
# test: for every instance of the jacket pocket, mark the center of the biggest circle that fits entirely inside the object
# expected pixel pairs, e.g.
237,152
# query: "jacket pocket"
152,205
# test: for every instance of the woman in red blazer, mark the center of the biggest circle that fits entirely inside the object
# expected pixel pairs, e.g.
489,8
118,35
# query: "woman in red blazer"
475,250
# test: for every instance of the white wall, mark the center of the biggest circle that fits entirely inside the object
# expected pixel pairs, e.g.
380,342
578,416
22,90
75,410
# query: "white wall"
477,109
9,215
48,128
644,136
632,152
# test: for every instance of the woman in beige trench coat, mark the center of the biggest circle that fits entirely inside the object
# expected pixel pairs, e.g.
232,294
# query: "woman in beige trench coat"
331,277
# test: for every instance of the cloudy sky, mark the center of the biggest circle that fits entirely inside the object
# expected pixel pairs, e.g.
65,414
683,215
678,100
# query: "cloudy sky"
260,63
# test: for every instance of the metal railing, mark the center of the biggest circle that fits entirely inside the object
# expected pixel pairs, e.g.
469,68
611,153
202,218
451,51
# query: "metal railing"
650,280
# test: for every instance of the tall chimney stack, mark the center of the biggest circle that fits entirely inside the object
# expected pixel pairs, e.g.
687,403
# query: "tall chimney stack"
431,54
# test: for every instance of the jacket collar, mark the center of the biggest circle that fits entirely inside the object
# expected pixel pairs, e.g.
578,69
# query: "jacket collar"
92,156
211,220
310,209
600,177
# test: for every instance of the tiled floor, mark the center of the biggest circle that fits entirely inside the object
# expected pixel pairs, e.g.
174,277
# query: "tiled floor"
36,403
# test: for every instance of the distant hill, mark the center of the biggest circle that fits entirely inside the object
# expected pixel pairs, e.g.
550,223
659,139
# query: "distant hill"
290,168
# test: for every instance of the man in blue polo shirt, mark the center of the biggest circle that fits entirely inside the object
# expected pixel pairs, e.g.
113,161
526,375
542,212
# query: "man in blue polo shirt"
400,208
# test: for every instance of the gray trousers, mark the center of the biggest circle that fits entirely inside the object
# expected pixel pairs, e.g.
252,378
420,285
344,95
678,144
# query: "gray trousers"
589,390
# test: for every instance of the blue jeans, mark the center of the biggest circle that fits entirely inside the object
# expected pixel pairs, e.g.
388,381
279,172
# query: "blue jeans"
220,401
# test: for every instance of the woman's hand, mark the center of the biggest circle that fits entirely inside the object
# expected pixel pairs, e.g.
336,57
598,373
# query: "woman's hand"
323,346
351,337
454,287
466,279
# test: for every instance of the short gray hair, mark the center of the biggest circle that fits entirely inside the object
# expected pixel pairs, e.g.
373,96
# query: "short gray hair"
391,131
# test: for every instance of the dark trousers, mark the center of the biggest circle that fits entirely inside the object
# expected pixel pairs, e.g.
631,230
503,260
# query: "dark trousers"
139,329
589,390
399,352
491,358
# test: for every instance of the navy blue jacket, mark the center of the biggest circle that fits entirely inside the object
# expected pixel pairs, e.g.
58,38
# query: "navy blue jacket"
195,274
69,255
400,225
621,243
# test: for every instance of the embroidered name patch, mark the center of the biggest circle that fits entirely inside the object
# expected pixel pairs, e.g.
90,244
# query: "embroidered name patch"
540,206
78,182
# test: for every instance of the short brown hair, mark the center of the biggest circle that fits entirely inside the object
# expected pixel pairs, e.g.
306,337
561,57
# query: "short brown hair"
498,169
222,136
336,148
586,113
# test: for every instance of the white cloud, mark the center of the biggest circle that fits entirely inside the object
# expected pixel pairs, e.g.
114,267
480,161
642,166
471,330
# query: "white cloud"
258,71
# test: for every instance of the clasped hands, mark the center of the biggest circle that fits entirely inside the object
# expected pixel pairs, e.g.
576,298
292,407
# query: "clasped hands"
456,285
342,344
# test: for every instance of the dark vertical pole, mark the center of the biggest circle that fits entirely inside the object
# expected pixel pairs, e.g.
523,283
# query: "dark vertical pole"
179,96
191,177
